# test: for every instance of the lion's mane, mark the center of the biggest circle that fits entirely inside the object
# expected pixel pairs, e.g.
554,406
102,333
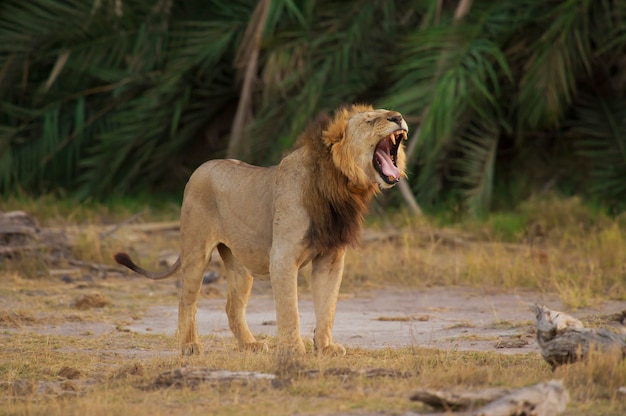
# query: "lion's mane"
336,206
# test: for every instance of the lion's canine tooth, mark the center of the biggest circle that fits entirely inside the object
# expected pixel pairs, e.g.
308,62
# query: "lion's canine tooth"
392,136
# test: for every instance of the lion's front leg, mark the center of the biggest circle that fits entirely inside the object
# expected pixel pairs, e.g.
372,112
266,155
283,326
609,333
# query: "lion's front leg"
284,279
325,282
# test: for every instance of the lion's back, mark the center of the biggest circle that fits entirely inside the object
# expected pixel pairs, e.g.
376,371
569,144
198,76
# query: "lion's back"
232,181
234,199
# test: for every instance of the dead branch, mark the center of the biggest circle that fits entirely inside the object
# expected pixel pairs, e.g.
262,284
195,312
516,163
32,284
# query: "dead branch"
462,9
17,228
356,372
128,220
247,57
155,227
563,339
194,376
20,235
458,400
543,399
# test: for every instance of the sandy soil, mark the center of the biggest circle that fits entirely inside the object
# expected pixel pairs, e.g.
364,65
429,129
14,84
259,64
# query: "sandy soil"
448,318
445,317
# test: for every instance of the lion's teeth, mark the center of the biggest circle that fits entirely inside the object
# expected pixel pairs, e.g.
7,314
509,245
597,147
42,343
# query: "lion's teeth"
393,138
404,135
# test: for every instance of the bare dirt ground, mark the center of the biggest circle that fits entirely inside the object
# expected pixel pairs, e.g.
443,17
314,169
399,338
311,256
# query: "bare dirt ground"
446,317
449,318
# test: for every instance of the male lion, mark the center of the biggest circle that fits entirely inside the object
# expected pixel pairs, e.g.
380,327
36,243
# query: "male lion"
270,222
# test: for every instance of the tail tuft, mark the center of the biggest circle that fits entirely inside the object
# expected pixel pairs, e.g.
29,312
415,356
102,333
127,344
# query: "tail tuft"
124,260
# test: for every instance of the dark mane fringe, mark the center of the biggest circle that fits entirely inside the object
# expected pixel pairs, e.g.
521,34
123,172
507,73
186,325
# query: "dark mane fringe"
336,209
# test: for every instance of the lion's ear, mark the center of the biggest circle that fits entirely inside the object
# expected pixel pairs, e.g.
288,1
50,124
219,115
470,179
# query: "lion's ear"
336,131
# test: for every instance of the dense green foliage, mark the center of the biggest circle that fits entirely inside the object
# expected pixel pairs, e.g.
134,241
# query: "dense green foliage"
107,96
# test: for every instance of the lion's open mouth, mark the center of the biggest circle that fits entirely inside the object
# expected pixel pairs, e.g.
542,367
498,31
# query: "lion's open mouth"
386,156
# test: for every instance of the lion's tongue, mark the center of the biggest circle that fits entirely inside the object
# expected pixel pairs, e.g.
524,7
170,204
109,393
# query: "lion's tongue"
386,165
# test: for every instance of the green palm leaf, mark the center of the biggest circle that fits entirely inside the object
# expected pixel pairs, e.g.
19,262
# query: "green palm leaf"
475,164
457,74
600,130
560,55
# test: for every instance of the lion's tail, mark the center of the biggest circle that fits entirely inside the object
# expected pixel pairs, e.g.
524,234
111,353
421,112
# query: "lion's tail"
125,260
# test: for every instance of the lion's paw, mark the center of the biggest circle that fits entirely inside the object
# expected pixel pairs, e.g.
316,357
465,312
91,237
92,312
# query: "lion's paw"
192,348
333,350
257,346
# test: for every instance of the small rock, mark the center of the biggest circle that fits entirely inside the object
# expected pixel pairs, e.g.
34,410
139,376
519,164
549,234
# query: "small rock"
210,277
280,383
67,279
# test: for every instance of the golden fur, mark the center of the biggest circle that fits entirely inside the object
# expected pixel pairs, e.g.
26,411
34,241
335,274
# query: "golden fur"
270,222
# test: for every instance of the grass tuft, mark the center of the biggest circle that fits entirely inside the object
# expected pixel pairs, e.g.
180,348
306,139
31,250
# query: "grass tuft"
549,244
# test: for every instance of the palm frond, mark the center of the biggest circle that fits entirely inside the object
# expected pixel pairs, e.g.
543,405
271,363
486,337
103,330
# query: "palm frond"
600,130
107,96
559,57
457,74
319,66
475,164
119,96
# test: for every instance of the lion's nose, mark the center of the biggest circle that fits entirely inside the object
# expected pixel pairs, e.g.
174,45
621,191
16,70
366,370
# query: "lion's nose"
395,118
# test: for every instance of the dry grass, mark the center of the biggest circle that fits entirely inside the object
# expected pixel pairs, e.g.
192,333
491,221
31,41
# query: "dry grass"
112,381
561,249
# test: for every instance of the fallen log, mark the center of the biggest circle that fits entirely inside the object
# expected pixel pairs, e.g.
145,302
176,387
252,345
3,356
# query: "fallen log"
563,339
542,399
458,400
20,235
192,377
17,228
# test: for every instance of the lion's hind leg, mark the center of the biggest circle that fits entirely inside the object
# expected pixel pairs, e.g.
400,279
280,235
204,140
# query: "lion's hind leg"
193,265
196,249
239,287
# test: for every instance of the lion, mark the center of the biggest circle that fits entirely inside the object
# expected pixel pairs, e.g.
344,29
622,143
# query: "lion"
268,222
